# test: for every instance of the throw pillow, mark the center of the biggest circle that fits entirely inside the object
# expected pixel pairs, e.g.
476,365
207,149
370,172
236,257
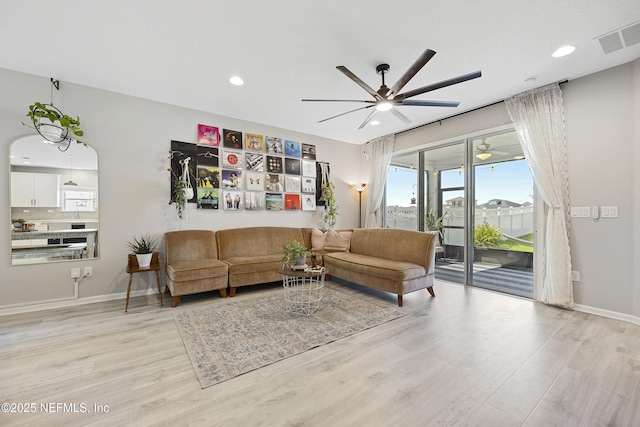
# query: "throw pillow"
338,241
318,238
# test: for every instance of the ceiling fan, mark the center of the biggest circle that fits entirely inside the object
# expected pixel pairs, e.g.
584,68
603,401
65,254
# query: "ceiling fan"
484,151
386,99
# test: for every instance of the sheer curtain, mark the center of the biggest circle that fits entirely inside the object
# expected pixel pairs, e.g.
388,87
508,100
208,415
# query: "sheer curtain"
380,151
539,121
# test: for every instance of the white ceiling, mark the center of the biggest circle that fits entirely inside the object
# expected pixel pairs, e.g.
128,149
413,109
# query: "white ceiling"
183,53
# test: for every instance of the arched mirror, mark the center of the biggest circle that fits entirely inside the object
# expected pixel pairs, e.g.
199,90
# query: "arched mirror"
54,201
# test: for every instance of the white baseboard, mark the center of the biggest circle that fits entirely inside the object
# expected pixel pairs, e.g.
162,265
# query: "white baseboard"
69,302
606,313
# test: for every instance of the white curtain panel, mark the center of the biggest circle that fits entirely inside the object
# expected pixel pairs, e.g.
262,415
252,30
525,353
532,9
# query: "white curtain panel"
539,121
379,151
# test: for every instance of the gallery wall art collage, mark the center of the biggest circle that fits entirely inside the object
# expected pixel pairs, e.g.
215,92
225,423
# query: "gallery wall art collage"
232,171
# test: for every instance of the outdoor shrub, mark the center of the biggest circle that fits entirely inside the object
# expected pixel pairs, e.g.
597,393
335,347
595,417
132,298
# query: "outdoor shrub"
487,235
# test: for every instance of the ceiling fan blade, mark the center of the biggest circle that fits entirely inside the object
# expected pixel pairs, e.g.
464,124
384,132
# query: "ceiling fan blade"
439,85
359,82
412,71
429,103
368,119
337,100
399,115
342,114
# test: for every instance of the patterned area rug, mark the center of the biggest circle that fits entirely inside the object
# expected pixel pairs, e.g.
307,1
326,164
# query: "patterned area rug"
230,338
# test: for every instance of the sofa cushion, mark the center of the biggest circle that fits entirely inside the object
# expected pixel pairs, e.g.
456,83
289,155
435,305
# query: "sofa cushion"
339,241
318,237
373,266
252,264
181,271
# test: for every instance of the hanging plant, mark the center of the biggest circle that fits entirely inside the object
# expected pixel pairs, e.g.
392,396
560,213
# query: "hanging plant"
330,216
53,125
183,191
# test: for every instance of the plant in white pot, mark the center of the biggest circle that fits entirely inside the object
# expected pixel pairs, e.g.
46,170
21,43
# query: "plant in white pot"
295,255
143,247
53,125
183,190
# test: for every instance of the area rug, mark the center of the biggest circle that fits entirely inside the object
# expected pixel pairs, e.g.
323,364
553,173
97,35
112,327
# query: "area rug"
229,338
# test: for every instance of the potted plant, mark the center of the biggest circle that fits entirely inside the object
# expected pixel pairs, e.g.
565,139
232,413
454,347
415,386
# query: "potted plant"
433,223
295,255
330,216
143,248
52,124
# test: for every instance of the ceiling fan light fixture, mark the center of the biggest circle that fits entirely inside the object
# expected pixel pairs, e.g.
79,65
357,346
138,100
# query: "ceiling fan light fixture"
384,106
483,156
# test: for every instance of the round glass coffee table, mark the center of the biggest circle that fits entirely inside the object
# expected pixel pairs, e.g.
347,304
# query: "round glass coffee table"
302,290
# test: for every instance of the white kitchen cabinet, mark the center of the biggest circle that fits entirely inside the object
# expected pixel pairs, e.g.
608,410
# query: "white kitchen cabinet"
35,190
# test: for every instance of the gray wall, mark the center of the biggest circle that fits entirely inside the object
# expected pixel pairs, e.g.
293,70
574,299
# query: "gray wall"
132,137
602,119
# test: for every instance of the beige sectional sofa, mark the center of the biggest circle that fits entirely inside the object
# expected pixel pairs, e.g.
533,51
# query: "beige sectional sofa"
397,261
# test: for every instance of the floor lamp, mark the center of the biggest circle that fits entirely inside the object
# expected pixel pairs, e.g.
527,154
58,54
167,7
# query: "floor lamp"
360,188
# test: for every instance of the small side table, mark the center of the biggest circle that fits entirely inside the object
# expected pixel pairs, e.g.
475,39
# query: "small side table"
302,290
132,267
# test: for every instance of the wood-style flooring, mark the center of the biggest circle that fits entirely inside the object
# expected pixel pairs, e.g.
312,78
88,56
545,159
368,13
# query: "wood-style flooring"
468,357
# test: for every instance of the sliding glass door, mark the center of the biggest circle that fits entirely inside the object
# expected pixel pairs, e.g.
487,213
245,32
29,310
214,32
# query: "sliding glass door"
478,195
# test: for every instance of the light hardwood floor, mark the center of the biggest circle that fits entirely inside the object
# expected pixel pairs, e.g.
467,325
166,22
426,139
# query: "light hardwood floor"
468,357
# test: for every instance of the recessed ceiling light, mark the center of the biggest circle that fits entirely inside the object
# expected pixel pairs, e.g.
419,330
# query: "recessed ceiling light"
374,123
563,51
236,81
518,157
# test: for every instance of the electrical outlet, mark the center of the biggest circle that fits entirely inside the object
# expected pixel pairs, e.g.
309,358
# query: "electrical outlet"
88,272
75,273
575,276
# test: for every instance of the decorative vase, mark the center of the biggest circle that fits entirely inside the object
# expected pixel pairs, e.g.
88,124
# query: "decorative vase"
144,260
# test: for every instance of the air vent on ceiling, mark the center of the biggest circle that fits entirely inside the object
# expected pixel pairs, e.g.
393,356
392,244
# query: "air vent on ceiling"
623,37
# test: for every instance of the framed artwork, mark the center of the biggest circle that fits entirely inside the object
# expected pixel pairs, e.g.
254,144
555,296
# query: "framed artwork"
308,168
208,198
274,164
308,202
254,162
208,136
231,179
231,159
254,142
254,181
292,166
254,201
208,177
208,156
274,145
292,202
274,202
309,185
274,182
292,149
292,184
232,200
308,151
232,139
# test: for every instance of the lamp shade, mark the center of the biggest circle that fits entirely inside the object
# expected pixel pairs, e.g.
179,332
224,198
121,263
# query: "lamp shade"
360,187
